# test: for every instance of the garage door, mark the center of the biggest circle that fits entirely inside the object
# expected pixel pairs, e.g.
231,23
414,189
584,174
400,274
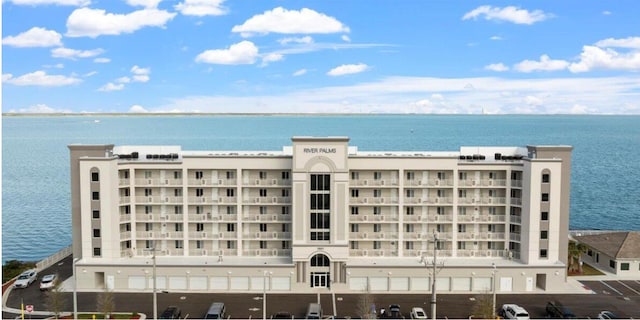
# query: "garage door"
257,283
178,283
358,283
198,283
240,283
379,283
281,283
482,284
136,282
421,284
219,283
442,284
461,284
399,284
161,283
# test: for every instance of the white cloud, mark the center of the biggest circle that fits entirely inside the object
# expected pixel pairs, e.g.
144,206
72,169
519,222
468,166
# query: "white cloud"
437,96
498,67
111,87
597,58
271,57
144,3
244,52
39,108
606,12
509,14
579,109
40,78
495,38
348,69
54,66
630,42
86,22
305,40
533,101
280,20
345,38
300,72
34,37
101,60
140,74
73,54
123,80
201,8
77,3
137,109
545,64
90,74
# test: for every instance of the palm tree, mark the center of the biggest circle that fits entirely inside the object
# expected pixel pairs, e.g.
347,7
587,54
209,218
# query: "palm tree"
576,249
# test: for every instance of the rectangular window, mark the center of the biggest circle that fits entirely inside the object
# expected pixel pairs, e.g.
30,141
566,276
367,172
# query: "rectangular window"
148,226
491,228
409,211
148,244
440,210
462,211
148,209
231,227
95,195
462,245
441,176
409,228
590,253
320,220
320,182
177,175
285,210
199,227
263,210
492,210
95,176
286,245
96,252
545,178
377,193
377,227
353,244
96,233
285,193
354,210
263,227
440,228
199,175
545,197
543,253
320,201
96,214
263,192
178,244
285,176
355,227
462,228
411,175
199,244
199,192
410,193
462,193
377,175
355,193
544,215
230,192
408,245
231,210
462,175
377,211
376,244
177,192
624,266
612,264
230,174
127,209
177,209
148,192
263,175
148,174
231,244
544,235
355,175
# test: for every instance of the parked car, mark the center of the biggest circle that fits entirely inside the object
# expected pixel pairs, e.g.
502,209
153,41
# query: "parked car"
418,313
557,311
394,311
49,281
282,315
605,315
26,278
171,312
513,311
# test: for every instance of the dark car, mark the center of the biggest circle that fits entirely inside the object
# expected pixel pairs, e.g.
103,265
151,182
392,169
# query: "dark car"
171,312
394,311
282,315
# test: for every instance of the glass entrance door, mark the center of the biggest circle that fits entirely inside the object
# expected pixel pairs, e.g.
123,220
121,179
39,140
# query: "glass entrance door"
320,280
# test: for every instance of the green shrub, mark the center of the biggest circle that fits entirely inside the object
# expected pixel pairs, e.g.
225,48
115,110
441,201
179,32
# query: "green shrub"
12,268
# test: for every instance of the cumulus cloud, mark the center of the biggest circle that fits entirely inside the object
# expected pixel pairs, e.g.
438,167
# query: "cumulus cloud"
498,67
111,87
303,40
137,109
73,54
606,12
39,108
34,37
201,8
345,38
144,3
86,22
630,42
76,3
544,64
244,52
123,80
101,60
140,74
508,14
271,57
593,57
299,72
348,69
280,20
495,38
40,78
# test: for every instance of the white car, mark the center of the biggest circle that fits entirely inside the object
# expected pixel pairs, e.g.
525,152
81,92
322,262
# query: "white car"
49,281
26,278
514,311
606,315
418,313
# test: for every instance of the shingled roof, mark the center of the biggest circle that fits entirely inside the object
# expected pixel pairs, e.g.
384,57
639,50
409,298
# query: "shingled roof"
619,245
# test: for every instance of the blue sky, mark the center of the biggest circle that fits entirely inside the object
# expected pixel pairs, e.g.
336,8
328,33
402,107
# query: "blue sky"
374,56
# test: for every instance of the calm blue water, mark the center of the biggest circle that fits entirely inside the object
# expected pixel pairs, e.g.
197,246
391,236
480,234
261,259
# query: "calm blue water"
35,159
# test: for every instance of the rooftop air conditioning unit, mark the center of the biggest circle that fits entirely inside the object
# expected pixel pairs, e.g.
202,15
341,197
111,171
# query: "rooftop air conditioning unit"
257,181
382,182
275,235
274,181
204,234
274,200
365,253
256,200
365,182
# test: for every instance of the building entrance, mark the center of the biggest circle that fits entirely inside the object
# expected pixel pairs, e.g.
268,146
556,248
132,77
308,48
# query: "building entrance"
320,280
320,275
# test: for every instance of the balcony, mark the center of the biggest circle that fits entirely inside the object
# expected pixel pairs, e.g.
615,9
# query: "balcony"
266,218
373,253
125,217
516,183
125,200
268,182
267,200
230,235
199,252
514,237
123,182
147,217
157,199
492,200
440,218
203,235
212,182
515,219
267,235
480,253
267,252
373,217
148,235
516,201
125,235
373,182
173,235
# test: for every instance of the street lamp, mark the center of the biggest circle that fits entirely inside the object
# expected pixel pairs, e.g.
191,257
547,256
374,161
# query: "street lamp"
264,294
75,289
433,280
155,297
495,270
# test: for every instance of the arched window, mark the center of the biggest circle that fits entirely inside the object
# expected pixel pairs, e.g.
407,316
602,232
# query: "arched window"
319,260
546,176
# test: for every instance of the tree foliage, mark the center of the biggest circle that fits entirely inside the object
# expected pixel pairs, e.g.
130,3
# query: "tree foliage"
54,299
483,307
576,250
106,303
12,268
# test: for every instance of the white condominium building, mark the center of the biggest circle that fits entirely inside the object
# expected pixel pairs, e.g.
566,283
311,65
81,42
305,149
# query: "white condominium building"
320,215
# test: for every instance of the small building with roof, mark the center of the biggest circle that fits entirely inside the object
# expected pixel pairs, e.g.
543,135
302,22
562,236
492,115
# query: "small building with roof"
615,252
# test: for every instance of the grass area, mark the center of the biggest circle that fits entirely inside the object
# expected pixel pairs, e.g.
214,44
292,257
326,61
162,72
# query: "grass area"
587,270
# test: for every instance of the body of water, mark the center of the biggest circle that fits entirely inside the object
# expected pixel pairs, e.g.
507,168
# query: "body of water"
36,218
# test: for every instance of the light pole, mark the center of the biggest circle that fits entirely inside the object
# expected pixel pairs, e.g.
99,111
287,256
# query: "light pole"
264,294
495,270
433,280
155,297
75,289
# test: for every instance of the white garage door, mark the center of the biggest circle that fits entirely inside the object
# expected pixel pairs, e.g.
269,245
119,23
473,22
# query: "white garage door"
506,284
240,283
461,284
136,282
358,283
421,284
399,284
257,283
482,284
442,284
219,283
161,283
379,283
198,283
177,283
281,283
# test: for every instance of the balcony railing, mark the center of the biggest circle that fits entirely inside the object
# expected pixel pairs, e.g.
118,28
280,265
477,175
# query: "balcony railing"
515,219
514,236
123,182
267,235
373,253
516,201
125,235
373,217
373,182
267,200
212,182
266,217
125,217
266,252
516,183
480,253
267,182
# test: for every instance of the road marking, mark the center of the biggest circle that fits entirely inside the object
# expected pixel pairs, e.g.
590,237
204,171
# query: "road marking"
624,284
612,288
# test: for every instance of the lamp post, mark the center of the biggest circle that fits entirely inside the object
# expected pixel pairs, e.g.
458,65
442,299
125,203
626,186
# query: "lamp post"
433,280
264,294
155,297
75,289
495,270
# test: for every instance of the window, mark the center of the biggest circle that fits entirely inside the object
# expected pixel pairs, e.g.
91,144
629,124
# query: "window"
285,210
199,210
148,192
320,220
377,227
355,193
410,193
376,244
148,209
286,245
462,228
127,244
199,192
148,244
198,175
377,175
320,236
285,193
439,228
96,233
409,211
441,193
320,260
353,244
199,244
231,244
543,253
545,178
148,174
320,201
285,176
590,253
263,227
377,210
231,210
462,211
230,174
624,266
462,245
148,226
492,175
409,228
462,193
177,209
545,197
408,245
355,227
320,182
177,175
178,227
127,209
263,175
544,215
440,210
263,210
263,192
492,210
199,227
96,252
462,175
95,195
127,227
411,175
231,227
354,210
612,264
355,175
177,192
441,176
263,244
544,235
178,244
230,193
377,193
95,176
492,228
96,214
